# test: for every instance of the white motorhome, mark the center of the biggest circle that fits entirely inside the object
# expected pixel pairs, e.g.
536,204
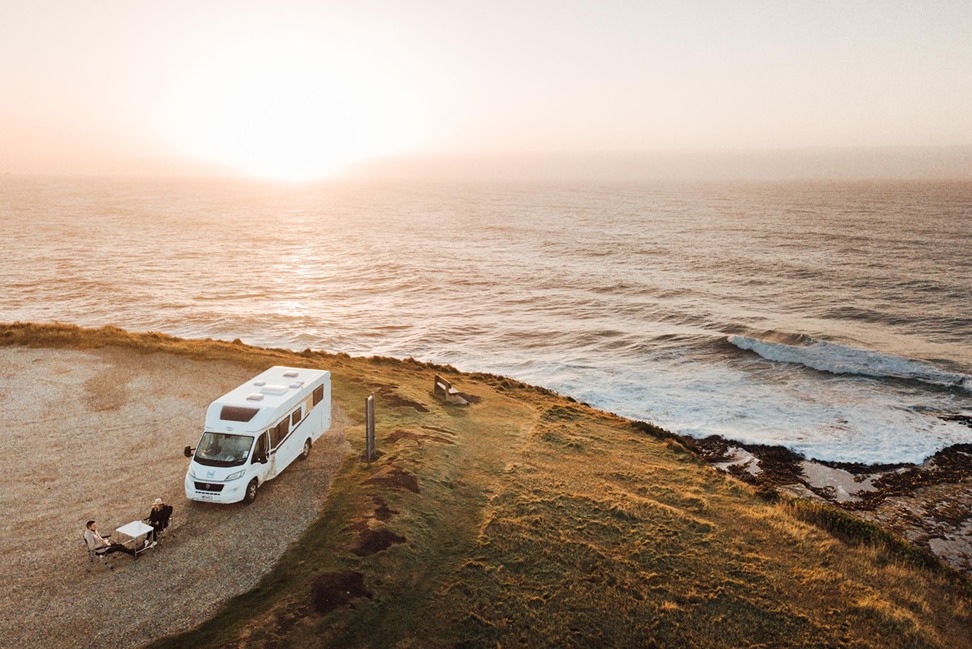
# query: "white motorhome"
255,431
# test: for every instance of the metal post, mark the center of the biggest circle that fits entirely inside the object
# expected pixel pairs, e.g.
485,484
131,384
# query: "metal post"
370,428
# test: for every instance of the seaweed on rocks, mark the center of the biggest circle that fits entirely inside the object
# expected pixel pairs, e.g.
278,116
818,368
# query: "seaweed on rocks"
950,465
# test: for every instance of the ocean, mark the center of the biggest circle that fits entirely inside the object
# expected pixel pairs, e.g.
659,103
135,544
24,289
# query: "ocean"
832,318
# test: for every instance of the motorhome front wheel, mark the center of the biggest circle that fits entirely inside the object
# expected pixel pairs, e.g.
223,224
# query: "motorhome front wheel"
251,491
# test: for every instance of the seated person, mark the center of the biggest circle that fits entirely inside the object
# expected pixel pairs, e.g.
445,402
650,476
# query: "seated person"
158,518
97,544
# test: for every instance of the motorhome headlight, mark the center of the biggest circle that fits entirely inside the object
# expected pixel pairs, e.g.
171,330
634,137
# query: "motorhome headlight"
234,476
192,474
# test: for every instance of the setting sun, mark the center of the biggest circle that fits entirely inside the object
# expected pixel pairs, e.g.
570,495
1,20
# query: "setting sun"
289,112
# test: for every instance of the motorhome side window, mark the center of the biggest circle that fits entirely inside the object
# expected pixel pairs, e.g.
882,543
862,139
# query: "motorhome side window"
318,394
296,417
278,432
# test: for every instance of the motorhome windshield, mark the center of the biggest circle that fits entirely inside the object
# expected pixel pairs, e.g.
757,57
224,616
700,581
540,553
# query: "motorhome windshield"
221,449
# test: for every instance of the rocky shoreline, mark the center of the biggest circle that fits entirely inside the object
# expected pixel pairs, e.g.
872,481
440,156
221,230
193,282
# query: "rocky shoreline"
929,504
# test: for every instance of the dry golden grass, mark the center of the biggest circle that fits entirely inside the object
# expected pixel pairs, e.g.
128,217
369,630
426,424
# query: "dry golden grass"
531,520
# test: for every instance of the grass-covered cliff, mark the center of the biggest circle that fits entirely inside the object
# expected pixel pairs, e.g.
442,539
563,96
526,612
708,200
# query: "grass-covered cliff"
528,519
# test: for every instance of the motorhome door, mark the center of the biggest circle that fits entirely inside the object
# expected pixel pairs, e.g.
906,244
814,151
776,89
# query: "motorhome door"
261,456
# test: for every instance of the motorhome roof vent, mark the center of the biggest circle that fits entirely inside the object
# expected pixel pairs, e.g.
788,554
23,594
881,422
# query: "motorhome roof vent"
274,389
296,384
259,384
255,396
291,374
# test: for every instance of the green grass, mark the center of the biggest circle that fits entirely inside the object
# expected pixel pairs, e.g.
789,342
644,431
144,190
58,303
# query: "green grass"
531,520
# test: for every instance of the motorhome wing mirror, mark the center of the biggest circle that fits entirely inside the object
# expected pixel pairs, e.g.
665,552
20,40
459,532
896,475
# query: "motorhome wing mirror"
264,459
187,451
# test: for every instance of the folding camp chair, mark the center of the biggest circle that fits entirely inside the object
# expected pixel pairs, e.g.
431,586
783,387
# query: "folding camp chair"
96,555
164,522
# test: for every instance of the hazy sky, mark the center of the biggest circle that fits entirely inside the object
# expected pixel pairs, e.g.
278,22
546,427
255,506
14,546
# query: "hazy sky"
295,89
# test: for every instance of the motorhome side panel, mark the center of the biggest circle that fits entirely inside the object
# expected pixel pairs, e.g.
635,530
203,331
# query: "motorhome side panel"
315,420
325,413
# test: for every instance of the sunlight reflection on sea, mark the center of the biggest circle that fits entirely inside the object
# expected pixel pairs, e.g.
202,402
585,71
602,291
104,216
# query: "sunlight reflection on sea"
624,295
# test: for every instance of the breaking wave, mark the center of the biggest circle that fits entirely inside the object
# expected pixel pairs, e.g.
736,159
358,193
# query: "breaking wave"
840,359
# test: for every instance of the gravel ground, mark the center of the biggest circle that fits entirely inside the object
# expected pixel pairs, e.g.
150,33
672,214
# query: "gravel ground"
99,435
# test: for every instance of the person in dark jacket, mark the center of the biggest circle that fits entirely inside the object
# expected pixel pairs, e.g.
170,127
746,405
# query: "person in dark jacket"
158,518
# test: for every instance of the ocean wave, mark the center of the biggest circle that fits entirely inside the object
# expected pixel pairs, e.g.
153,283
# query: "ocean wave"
622,297
840,359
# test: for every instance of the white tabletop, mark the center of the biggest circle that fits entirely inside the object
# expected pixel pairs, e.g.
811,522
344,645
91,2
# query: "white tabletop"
134,529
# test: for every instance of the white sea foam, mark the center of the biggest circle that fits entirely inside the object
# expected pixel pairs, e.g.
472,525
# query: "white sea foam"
840,359
840,419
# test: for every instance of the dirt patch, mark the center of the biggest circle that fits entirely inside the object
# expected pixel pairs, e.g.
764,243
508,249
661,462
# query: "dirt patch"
395,400
395,478
382,511
359,526
398,435
334,589
450,433
562,413
104,391
377,454
374,541
388,395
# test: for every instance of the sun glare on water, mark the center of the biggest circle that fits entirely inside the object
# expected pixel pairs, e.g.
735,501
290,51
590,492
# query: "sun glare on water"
290,112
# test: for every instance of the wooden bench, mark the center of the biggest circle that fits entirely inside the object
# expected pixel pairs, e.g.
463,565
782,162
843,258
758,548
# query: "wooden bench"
443,389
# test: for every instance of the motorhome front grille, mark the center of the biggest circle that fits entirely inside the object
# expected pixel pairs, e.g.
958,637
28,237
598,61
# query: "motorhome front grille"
209,486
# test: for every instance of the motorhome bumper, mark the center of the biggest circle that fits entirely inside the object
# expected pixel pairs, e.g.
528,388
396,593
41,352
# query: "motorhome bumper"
215,492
